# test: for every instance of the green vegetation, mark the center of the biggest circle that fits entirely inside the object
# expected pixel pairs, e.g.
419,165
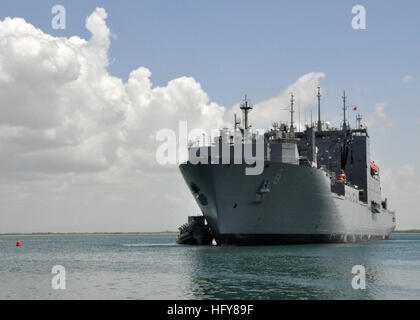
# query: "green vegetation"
407,231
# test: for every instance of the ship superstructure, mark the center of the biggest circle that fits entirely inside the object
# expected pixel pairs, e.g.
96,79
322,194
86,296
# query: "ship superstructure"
317,185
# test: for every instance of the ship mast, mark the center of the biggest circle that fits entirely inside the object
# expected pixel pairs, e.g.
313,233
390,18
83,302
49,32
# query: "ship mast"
292,100
319,109
344,111
246,106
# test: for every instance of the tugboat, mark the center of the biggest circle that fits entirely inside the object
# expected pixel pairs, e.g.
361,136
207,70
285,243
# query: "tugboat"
196,231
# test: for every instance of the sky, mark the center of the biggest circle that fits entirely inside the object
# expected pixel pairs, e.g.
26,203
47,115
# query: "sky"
80,106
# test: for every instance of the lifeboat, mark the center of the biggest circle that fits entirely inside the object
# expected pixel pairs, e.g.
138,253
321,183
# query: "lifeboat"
341,178
374,169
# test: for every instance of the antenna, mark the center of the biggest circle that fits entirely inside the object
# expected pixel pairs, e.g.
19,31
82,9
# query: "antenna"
344,111
246,106
292,100
319,109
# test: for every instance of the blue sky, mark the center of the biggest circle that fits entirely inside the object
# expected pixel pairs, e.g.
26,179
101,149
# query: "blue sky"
234,48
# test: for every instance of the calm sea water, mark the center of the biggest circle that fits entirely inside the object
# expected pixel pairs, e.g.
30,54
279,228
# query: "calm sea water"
154,267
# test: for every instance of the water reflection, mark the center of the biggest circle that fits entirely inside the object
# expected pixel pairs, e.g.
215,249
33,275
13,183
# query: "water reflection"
292,272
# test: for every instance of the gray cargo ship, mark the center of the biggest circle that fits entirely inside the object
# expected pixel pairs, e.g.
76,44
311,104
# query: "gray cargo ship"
318,185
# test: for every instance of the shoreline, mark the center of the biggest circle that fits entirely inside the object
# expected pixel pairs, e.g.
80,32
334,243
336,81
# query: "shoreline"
85,233
406,231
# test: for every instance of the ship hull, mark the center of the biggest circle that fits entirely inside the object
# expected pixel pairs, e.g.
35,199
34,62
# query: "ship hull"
287,239
297,208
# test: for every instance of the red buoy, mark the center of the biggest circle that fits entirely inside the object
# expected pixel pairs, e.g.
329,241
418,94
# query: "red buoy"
18,243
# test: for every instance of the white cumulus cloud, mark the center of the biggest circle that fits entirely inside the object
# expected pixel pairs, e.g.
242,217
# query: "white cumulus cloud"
380,118
277,108
403,188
